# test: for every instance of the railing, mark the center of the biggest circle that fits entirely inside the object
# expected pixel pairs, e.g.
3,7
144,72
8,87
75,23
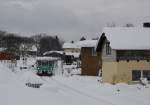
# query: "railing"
133,58
133,54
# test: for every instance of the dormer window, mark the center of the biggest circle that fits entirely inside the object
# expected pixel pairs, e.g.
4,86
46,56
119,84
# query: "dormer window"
108,49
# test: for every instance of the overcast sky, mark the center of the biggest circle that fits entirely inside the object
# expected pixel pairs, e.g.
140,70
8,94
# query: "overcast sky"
70,19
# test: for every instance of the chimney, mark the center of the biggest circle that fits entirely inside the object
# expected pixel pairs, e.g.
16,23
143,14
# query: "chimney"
146,25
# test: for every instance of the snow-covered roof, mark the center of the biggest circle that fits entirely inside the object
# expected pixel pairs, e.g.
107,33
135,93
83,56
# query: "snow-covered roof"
69,45
79,44
49,52
76,55
86,43
128,38
47,58
2,49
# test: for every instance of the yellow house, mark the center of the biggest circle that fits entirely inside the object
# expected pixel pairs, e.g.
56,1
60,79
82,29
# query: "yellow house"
125,54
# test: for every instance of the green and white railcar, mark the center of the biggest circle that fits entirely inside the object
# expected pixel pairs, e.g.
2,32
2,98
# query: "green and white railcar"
45,66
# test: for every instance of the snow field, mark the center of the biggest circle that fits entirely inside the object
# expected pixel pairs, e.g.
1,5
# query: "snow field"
66,90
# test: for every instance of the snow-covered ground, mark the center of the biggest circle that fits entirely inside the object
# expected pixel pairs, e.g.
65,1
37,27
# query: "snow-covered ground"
66,90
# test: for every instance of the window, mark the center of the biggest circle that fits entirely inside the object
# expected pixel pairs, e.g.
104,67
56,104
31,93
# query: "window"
44,63
146,74
136,75
94,53
108,49
39,63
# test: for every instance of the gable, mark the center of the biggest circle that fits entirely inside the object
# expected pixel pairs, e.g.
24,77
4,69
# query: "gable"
101,43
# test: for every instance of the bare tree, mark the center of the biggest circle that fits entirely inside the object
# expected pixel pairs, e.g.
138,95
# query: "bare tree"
82,38
129,25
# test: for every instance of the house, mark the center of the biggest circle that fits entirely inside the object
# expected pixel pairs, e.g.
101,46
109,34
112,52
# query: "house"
90,59
125,54
28,49
53,53
71,47
7,56
71,52
9,59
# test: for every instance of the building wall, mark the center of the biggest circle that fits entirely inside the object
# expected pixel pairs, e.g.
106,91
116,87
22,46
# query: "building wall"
108,58
121,71
109,72
115,72
90,65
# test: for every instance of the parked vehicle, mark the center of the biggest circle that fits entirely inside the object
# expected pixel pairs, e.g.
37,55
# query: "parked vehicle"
45,66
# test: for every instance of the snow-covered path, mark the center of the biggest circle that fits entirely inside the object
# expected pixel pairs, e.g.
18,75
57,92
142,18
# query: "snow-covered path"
106,93
78,96
52,93
75,90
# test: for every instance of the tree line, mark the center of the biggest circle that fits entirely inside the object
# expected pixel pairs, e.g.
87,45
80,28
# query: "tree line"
43,42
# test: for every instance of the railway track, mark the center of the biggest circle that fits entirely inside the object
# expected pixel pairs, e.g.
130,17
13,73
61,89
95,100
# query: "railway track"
76,91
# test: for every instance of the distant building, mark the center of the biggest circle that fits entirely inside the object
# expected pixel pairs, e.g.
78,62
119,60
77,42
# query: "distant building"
125,54
71,47
7,56
73,50
28,49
